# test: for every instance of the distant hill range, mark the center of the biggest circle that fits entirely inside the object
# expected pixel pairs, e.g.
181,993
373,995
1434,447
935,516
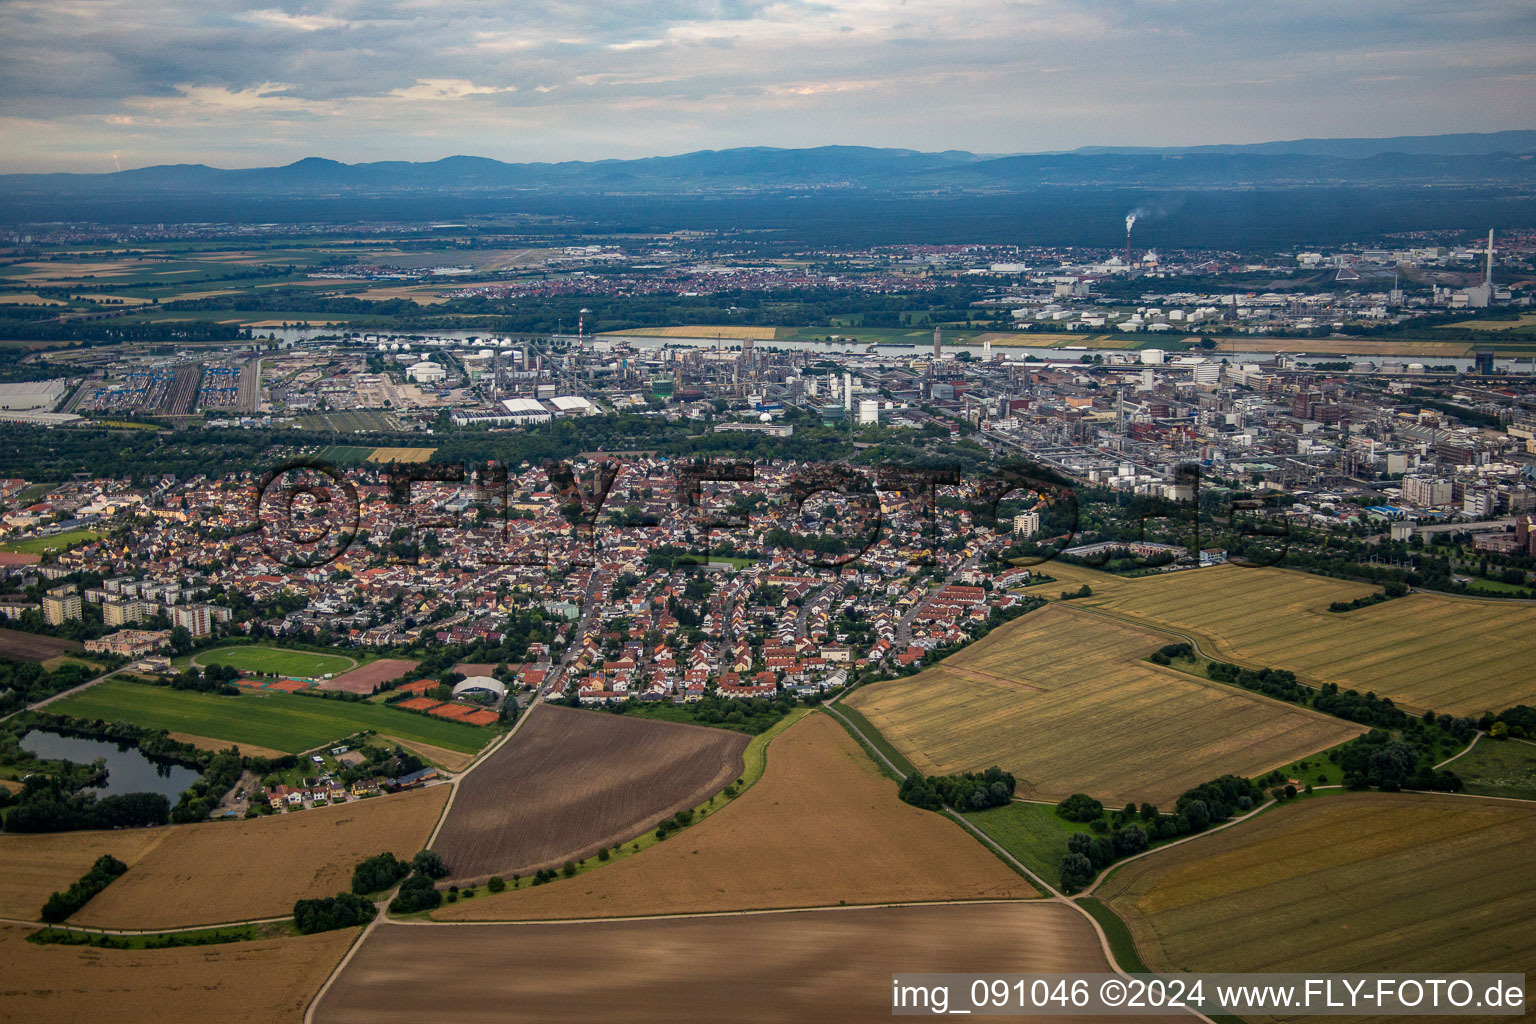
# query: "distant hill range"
1497,158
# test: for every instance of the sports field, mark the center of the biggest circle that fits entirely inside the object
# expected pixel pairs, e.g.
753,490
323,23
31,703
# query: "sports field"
822,826
1348,882
1425,651
265,718
1064,700
276,661
238,870
57,542
817,966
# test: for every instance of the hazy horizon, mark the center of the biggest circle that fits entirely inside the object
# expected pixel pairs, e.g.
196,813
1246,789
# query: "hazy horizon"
94,85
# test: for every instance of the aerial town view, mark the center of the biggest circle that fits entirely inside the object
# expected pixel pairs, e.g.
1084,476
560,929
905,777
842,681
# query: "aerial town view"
795,512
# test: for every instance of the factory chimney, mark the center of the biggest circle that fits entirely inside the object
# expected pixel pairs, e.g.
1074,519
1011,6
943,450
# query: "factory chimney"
938,343
1488,272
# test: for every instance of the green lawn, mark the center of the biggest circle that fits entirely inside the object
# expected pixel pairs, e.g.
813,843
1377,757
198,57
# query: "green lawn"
1034,833
1498,768
265,718
57,542
257,658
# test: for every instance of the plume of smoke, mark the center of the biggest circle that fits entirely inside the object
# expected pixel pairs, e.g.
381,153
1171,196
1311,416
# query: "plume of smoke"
115,163
1130,220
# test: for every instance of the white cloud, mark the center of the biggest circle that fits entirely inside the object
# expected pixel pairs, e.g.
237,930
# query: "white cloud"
447,89
298,22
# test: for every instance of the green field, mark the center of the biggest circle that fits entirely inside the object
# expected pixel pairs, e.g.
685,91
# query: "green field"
1499,768
344,454
276,661
58,542
280,721
1033,833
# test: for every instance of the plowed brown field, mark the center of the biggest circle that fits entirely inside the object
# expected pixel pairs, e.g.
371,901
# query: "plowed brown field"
570,782
824,965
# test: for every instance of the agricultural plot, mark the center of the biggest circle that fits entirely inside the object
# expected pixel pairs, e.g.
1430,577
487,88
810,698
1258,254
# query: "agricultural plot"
1351,882
571,782
401,454
236,871
1425,650
366,679
265,718
344,454
827,965
1495,768
275,661
268,981
822,826
1064,701
32,867
19,646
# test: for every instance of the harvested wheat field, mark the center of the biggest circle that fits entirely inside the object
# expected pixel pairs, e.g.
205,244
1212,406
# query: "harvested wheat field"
1425,651
367,679
570,782
236,871
32,867
208,743
821,826
267,981
452,760
822,965
1348,882
1064,701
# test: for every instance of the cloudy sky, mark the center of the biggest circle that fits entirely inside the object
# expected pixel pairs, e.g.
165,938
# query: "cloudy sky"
92,84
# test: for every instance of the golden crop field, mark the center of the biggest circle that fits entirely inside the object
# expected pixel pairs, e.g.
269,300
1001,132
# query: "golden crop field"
822,825
1436,651
1064,701
29,299
235,871
1347,882
401,454
32,867
266,981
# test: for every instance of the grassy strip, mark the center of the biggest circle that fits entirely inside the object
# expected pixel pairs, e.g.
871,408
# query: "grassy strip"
163,940
864,745
873,735
754,763
1121,944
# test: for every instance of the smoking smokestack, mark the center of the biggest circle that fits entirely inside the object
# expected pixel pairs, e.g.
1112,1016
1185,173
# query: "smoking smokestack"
1130,221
